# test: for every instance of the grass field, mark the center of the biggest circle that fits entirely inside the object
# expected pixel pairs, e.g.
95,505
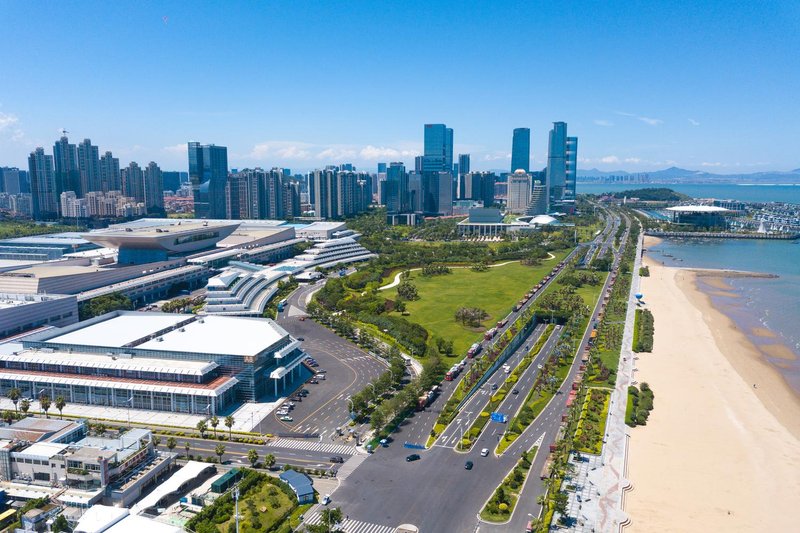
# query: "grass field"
495,291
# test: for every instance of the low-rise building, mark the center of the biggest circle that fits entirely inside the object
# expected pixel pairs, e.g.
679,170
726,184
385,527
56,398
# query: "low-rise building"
24,312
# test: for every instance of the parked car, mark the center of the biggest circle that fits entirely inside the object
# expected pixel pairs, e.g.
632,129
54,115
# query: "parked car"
320,376
412,457
322,371
468,465
287,418
313,381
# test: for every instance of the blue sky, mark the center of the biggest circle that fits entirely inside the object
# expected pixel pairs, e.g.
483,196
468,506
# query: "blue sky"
644,85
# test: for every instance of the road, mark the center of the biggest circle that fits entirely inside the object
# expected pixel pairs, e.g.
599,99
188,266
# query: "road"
437,493
348,370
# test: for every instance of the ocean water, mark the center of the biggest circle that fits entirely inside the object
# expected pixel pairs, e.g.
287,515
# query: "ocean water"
772,303
743,193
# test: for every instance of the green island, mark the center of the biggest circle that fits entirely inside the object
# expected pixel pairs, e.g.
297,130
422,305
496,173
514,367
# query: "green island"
500,506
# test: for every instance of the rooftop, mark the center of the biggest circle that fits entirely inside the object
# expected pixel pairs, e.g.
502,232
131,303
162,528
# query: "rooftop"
112,362
698,209
44,449
214,335
120,330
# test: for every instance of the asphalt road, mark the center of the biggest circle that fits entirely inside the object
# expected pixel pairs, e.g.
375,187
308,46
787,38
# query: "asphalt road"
349,369
437,493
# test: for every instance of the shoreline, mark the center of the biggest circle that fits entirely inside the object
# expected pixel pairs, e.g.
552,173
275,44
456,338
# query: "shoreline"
716,453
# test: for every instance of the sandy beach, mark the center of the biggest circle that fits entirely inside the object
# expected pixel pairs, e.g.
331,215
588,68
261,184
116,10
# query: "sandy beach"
716,454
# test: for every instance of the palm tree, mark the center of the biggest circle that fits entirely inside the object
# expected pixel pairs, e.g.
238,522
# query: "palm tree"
252,456
332,518
220,451
60,404
156,440
44,402
214,423
269,460
229,423
14,395
202,427
171,443
24,405
187,447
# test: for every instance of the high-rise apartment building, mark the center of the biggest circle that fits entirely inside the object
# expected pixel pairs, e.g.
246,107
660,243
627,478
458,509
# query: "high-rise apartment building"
153,189
89,167
519,192
110,179
133,182
208,174
65,160
291,199
521,150
12,180
44,195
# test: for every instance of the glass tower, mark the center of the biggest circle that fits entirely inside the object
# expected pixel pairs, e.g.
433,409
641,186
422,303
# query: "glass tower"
521,150
208,174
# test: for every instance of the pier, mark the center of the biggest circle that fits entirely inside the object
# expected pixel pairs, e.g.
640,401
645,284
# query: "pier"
723,235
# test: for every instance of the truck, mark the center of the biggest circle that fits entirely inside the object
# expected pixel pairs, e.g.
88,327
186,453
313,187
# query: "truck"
546,468
426,399
474,350
502,323
450,376
489,334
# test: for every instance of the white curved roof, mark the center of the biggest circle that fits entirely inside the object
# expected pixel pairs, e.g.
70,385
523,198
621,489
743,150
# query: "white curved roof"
697,209
99,518
542,220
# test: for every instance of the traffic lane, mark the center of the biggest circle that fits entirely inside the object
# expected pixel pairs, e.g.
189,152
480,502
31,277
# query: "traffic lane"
435,493
480,399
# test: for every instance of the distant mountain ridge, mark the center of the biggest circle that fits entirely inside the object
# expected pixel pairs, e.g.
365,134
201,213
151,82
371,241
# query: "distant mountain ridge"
682,175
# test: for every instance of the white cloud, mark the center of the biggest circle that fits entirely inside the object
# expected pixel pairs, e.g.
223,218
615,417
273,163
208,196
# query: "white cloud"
609,159
497,156
301,151
693,122
647,120
281,150
651,121
7,121
377,153
707,164
179,149
632,160
605,123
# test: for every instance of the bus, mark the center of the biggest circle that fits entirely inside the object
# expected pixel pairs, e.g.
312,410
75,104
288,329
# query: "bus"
282,305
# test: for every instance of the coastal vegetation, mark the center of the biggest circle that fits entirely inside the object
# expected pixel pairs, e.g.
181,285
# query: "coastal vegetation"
640,403
643,331
104,304
644,271
592,422
500,506
265,503
654,194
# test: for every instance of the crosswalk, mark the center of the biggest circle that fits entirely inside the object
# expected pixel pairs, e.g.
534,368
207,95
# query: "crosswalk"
350,526
294,444
349,466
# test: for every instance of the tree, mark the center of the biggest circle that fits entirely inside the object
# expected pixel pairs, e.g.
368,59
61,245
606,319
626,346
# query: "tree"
229,424
252,456
14,395
202,427
400,306
331,518
44,402
560,501
220,451
8,416
214,423
24,405
171,443
60,404
187,447
156,441
407,291
60,524
269,460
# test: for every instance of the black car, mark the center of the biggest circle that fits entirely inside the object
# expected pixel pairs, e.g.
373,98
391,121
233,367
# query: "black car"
468,465
337,459
514,391
301,339
412,457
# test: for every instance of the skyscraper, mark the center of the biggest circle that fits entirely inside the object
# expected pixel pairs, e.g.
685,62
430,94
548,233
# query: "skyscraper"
572,168
43,185
396,186
381,168
437,193
557,162
11,180
89,167
109,173
438,148
153,189
208,174
521,150
463,170
65,160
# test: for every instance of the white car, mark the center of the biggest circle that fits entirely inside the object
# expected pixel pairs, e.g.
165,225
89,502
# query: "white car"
484,452
326,499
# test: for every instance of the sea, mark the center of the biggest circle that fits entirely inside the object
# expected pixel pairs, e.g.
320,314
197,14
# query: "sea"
753,303
725,191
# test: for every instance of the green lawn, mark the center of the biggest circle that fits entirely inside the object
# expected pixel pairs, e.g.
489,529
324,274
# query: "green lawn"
495,291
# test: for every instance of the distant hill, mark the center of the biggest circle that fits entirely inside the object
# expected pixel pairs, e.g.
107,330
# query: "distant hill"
682,175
